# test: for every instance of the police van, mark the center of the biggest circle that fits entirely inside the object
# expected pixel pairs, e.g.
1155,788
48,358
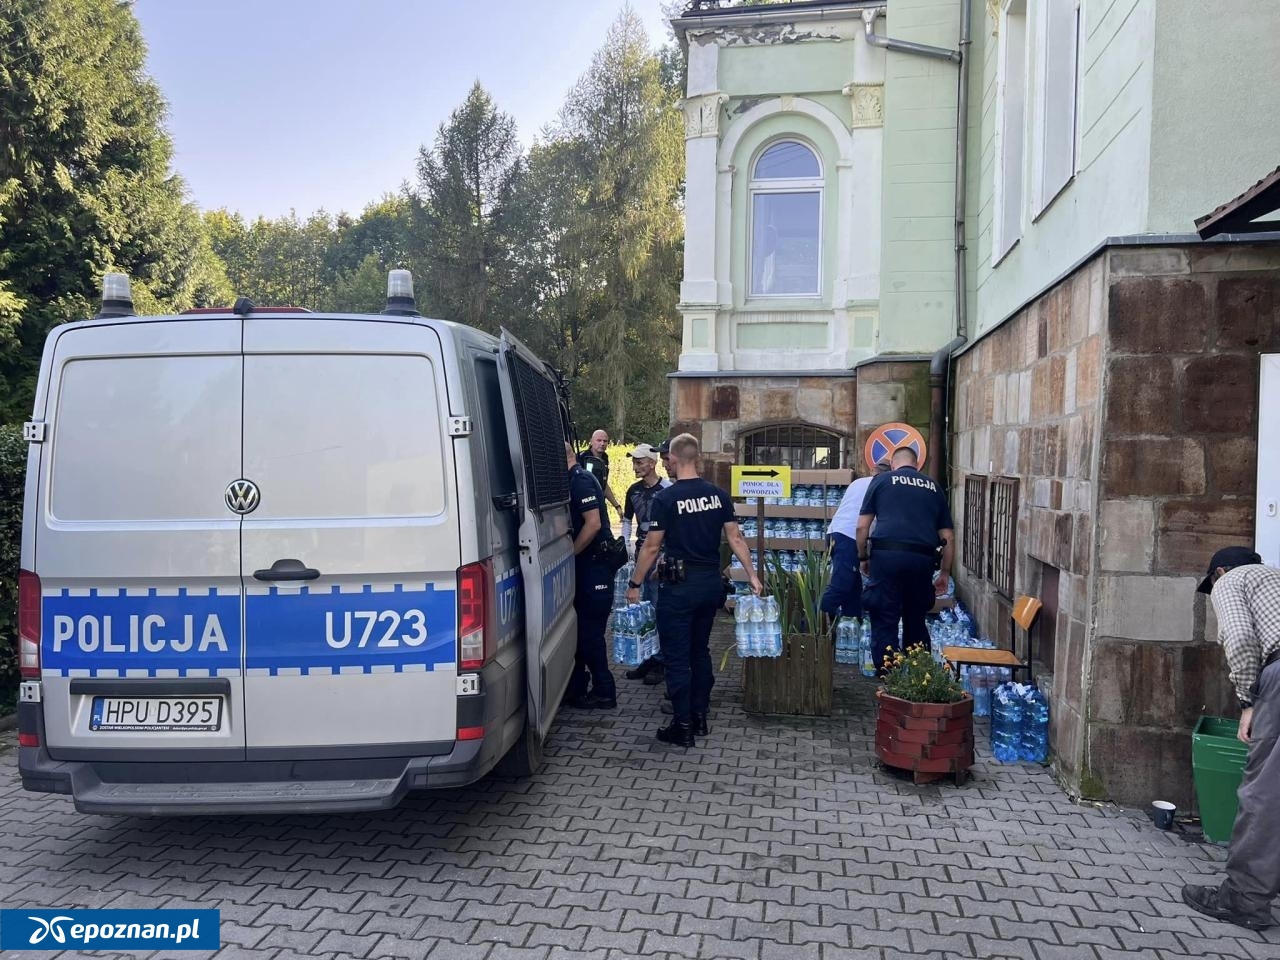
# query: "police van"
275,560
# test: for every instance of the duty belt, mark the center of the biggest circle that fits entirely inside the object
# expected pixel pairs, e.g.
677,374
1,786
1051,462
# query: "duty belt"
919,548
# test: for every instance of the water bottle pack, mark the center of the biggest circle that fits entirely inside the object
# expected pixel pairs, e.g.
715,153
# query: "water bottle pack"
758,626
979,682
853,645
635,633
1019,724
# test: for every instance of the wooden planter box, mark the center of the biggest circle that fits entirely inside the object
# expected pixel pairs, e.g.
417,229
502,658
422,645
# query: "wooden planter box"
932,740
797,683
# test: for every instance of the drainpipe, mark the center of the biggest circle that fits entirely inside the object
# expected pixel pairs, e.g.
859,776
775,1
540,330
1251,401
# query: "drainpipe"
940,365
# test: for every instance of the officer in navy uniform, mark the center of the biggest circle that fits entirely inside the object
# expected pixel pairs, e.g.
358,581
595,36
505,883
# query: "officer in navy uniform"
912,520
593,597
687,520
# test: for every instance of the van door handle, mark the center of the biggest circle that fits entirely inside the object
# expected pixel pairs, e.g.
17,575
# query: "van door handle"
287,570
506,501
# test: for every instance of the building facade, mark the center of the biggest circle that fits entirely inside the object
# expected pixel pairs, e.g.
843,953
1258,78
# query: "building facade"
1103,414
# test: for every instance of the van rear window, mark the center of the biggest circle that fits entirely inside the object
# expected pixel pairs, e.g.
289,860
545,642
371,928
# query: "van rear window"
350,435
145,438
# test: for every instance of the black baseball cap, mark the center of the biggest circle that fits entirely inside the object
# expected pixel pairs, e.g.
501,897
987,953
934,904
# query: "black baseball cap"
665,447
1227,557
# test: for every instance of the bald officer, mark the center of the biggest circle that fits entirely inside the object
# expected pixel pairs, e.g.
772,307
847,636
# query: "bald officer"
912,521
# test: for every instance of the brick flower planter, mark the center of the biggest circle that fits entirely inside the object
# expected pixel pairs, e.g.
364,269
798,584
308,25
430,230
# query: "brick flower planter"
932,740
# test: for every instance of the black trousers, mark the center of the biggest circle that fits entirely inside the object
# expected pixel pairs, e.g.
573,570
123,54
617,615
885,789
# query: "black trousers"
900,587
686,613
591,660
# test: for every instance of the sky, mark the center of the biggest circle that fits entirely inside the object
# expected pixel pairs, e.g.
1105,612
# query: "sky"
301,104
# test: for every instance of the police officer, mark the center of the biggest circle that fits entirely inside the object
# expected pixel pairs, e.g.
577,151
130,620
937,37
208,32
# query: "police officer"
595,461
591,685
637,504
912,520
687,520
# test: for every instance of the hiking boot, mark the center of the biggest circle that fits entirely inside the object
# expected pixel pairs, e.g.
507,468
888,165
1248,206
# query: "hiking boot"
656,676
700,727
677,734
642,671
1207,901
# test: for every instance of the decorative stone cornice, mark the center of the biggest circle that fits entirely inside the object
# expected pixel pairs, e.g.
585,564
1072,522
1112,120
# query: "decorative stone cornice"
866,101
702,115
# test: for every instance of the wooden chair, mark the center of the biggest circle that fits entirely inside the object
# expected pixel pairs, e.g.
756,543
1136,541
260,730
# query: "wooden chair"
1024,612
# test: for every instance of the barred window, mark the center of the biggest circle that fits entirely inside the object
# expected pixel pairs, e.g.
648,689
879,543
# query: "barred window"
975,523
1002,540
795,445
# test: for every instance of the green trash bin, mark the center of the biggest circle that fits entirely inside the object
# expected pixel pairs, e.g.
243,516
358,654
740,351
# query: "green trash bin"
1217,764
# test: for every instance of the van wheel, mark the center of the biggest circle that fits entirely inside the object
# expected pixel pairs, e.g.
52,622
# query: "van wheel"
524,758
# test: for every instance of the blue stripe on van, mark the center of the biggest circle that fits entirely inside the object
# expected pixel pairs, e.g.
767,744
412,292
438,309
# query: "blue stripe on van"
195,633
328,629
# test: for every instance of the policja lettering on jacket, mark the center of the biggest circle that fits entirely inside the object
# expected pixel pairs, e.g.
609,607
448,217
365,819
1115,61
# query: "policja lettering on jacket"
699,505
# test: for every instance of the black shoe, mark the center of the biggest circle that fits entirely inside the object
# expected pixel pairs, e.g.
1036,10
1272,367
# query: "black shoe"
1205,899
700,727
644,669
676,733
594,701
656,676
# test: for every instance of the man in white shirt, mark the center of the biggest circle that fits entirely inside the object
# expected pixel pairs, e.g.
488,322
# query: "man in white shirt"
843,596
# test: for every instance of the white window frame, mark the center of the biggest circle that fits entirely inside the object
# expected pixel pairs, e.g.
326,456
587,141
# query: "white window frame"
797,185
1009,197
1061,20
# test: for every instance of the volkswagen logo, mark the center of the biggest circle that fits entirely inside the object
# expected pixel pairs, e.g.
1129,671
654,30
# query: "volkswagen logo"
242,496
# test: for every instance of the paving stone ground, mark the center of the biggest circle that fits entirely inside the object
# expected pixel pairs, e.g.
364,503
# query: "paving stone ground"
775,838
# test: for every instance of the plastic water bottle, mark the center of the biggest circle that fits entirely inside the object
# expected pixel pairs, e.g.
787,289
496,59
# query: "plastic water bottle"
620,584
741,624
866,650
1035,728
772,628
982,685
1006,723
757,627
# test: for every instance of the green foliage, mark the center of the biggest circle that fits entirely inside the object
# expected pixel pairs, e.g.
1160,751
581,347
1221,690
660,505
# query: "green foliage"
799,592
13,472
84,180
916,676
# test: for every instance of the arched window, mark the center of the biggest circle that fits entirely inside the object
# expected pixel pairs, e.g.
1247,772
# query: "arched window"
795,445
786,222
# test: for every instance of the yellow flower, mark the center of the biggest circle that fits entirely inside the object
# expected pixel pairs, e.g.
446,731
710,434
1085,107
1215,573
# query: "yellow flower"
926,676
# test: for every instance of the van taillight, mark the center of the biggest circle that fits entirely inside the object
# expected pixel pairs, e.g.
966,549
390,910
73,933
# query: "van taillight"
29,624
475,584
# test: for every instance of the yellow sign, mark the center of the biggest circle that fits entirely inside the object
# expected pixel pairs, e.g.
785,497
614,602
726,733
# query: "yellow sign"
758,481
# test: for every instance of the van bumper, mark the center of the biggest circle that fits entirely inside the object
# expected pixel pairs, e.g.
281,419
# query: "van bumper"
149,788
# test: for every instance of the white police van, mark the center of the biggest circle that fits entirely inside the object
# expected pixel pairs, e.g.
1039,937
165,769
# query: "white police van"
275,560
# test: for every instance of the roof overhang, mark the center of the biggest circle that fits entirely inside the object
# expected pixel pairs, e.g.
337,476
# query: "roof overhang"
1241,214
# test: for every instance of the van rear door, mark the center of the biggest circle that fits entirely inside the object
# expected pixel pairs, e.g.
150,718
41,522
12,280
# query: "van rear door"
532,403
350,559
136,550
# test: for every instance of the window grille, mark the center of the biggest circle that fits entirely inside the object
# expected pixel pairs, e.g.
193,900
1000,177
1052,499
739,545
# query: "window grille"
794,445
975,523
1002,541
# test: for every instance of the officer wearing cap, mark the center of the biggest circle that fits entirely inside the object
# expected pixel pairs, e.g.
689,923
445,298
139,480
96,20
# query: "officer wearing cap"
591,684
912,519
687,521
636,505
668,465
1246,599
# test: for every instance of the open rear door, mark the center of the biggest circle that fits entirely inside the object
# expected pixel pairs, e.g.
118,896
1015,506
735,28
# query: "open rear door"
532,403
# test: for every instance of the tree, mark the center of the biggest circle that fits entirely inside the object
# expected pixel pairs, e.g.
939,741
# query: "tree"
84,179
621,125
465,184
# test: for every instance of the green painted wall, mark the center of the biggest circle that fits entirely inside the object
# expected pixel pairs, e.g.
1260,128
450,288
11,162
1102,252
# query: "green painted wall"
802,69
917,259
1217,96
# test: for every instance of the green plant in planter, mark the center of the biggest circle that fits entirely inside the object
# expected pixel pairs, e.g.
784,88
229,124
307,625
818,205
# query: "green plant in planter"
799,593
915,676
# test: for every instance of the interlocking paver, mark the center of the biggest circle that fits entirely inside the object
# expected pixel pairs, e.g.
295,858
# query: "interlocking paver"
775,837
